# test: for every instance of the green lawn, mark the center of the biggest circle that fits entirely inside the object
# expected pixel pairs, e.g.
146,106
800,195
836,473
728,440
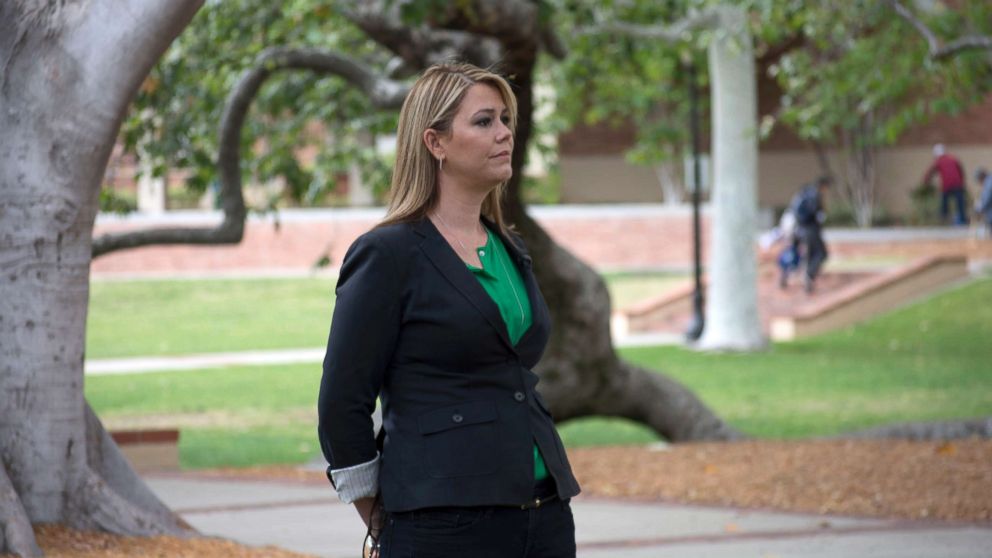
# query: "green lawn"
139,318
628,288
929,361
142,318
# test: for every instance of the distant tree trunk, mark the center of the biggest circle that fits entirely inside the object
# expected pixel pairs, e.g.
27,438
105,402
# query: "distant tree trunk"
860,177
732,319
67,74
670,180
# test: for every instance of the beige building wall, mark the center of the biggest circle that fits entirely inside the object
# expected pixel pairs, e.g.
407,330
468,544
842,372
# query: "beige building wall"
607,179
900,170
611,179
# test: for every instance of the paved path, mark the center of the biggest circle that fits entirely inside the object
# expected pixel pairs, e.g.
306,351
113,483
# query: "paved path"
100,367
308,518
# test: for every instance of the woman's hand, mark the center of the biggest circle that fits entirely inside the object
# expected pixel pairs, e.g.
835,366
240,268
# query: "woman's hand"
371,512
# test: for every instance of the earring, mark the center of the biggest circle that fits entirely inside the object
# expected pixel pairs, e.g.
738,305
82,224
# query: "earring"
440,164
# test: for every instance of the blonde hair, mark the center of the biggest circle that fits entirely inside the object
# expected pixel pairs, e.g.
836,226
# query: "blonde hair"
432,103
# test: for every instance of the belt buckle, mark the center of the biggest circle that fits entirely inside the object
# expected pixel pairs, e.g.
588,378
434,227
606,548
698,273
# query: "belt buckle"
536,503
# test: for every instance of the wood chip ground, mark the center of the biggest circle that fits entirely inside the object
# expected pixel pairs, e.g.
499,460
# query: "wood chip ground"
889,479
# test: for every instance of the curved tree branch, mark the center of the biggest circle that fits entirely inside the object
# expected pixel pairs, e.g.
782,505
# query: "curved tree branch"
383,92
509,21
420,46
552,43
939,51
675,32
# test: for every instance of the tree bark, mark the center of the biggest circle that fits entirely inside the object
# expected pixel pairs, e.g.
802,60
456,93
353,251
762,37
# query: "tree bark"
860,178
16,535
67,77
732,319
928,431
670,180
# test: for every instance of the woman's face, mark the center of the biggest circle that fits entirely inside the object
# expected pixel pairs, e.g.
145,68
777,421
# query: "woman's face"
477,149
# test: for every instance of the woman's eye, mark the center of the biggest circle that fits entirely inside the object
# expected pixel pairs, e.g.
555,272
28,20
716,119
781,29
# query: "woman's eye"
485,122
506,120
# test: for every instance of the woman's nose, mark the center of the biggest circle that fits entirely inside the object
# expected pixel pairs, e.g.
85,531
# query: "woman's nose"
503,132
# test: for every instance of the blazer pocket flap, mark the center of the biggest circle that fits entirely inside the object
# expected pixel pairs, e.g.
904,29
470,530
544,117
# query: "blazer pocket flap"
455,416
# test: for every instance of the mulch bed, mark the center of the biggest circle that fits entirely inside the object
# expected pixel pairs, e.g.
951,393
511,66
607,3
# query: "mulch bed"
887,479
58,541
884,479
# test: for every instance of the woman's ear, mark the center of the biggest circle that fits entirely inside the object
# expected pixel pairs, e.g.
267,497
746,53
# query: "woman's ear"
433,143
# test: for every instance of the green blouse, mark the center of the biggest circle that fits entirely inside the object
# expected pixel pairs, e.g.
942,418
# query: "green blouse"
501,279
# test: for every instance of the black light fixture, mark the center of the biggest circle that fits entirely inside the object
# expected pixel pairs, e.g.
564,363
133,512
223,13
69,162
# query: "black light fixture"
695,330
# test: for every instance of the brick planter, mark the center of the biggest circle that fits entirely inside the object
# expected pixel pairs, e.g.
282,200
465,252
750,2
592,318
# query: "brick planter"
149,450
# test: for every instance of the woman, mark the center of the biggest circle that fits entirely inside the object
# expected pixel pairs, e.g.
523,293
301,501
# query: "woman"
439,315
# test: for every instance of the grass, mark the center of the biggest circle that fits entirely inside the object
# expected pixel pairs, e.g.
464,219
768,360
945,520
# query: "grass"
233,416
926,362
929,361
139,318
628,288
154,317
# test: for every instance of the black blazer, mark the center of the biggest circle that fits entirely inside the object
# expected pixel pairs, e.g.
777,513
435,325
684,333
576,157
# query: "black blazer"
460,410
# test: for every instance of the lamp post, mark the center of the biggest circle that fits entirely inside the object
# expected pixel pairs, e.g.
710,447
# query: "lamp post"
695,329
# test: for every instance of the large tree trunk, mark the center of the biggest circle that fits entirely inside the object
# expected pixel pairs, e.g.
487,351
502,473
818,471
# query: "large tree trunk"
67,73
732,320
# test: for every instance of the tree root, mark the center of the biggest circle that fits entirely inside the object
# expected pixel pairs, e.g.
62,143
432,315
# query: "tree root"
106,460
923,431
665,405
93,505
16,534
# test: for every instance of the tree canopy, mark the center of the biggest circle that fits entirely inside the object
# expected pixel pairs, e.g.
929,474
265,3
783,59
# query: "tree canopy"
824,55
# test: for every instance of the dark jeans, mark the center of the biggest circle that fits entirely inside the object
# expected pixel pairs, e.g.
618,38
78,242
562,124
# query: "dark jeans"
547,531
957,195
814,250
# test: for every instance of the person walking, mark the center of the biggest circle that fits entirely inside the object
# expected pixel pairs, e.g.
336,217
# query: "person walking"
952,183
809,211
983,206
439,315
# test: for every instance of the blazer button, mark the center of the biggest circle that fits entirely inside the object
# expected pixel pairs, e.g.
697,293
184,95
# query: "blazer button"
457,418
519,396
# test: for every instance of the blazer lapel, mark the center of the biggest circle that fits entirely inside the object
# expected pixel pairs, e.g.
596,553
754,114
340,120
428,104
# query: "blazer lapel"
444,258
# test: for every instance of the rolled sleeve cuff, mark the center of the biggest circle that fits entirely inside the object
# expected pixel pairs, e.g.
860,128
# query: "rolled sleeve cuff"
357,482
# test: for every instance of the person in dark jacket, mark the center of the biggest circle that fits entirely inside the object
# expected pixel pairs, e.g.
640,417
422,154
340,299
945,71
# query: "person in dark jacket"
952,183
810,212
983,206
439,315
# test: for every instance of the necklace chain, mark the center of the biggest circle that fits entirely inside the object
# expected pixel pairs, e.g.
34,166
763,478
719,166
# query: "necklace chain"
452,233
506,273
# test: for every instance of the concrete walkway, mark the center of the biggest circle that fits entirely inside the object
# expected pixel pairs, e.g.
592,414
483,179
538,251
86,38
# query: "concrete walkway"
307,517
136,365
